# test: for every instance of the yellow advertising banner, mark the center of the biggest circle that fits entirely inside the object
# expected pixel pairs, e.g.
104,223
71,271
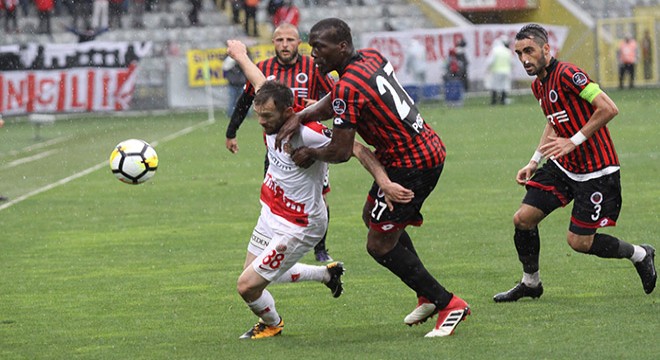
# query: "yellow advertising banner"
205,66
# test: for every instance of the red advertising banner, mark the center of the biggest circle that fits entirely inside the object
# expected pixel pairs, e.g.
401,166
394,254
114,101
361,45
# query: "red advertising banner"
491,5
65,78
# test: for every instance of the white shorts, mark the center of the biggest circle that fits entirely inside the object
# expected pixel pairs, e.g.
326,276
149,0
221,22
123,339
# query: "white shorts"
279,244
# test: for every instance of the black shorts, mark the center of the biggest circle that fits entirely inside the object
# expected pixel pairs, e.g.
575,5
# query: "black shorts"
597,202
421,182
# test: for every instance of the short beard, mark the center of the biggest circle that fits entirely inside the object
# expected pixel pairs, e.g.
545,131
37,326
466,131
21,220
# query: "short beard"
288,60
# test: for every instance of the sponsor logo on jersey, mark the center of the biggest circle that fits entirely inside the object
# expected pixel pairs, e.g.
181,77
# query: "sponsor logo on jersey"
259,240
300,92
558,117
579,79
338,121
387,227
339,106
553,96
270,77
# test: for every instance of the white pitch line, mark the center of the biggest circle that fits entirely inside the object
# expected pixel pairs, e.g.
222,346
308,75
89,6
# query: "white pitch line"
97,167
39,145
28,159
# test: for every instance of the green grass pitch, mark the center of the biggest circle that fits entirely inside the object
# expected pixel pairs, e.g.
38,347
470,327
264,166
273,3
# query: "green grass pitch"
91,268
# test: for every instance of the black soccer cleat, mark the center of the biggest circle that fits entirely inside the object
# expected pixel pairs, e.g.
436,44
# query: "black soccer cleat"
646,269
336,270
519,291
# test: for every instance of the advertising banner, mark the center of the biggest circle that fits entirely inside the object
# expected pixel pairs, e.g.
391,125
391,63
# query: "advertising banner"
206,65
84,77
399,48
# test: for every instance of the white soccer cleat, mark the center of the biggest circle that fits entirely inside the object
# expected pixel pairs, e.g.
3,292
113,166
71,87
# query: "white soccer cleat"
424,310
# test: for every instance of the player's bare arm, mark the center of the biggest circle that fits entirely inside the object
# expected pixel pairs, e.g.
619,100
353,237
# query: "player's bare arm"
528,170
238,51
320,110
340,149
394,193
605,111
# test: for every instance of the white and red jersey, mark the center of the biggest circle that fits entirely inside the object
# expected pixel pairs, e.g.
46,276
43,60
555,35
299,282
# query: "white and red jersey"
291,192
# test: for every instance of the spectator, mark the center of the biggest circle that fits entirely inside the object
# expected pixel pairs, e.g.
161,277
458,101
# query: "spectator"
234,75
10,7
100,14
627,58
272,7
80,12
647,55
116,12
25,6
138,7
287,13
454,68
500,65
416,68
236,6
193,15
462,58
45,8
251,18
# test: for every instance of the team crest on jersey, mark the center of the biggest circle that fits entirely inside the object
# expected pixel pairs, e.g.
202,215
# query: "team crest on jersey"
597,198
302,78
579,79
339,106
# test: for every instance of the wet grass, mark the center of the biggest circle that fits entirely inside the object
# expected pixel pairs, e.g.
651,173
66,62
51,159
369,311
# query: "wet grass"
97,269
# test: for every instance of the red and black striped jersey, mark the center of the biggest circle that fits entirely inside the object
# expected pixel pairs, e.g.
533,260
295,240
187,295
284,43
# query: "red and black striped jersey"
559,96
369,98
303,78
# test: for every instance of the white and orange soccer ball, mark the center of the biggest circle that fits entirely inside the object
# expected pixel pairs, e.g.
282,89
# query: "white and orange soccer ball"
133,161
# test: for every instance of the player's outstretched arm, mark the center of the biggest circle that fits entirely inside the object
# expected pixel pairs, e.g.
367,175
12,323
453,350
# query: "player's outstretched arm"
394,193
238,51
319,110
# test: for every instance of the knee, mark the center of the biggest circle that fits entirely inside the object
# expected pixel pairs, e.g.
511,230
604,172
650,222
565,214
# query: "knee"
579,243
379,244
523,222
246,289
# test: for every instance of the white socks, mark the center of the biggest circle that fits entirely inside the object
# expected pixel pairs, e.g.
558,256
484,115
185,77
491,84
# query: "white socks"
531,280
638,255
264,307
303,272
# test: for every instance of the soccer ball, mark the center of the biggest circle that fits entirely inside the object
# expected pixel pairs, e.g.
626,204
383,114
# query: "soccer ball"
133,161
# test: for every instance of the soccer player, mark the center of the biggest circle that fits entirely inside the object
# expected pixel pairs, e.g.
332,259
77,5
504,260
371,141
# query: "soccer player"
293,217
583,166
369,100
308,85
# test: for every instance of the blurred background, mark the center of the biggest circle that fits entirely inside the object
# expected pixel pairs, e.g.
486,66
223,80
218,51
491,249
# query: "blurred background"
80,56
